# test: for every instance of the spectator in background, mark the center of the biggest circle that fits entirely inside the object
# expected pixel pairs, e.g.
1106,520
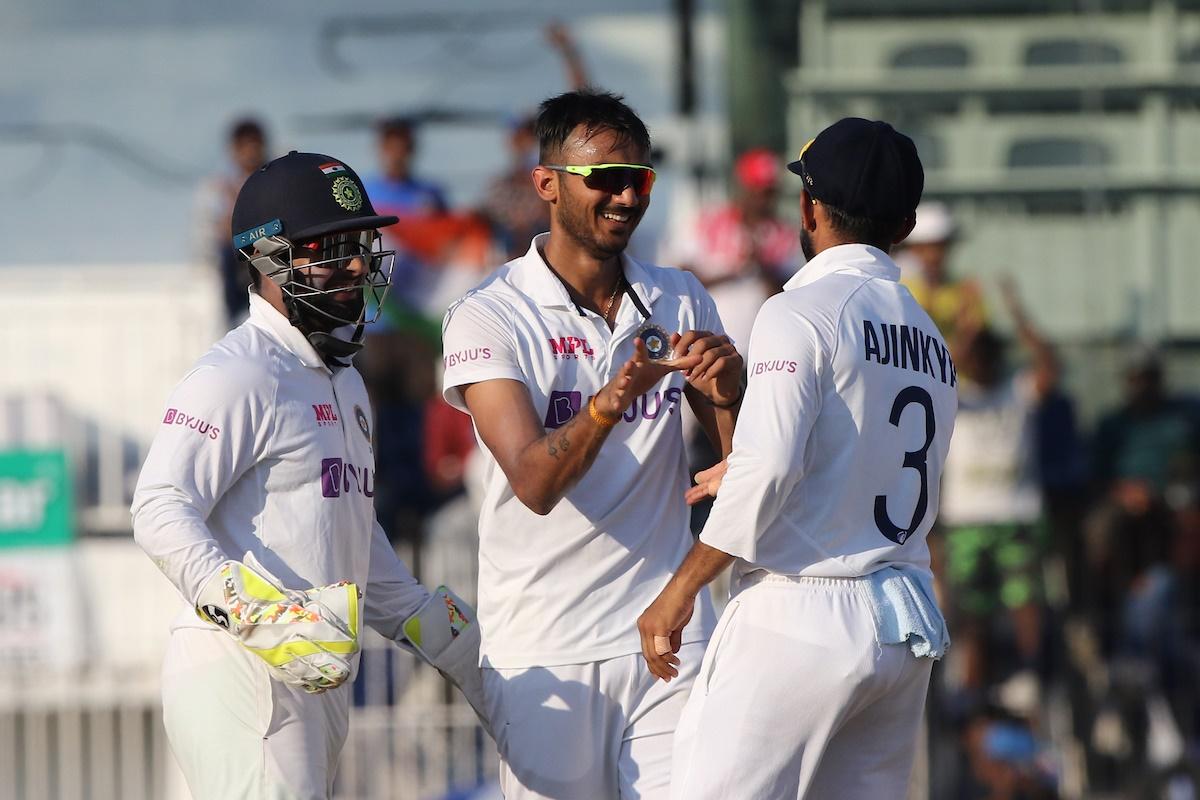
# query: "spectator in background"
397,367
1151,440
415,202
952,304
511,205
991,501
398,191
1144,452
451,532
1003,757
742,251
247,142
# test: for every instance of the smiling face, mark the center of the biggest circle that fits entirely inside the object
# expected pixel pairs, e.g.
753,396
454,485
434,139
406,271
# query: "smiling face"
597,221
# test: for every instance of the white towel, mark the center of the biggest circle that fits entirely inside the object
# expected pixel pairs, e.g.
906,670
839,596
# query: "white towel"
905,610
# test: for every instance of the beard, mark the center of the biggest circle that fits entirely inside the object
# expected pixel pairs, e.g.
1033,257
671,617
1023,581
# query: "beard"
340,311
806,245
576,221
322,313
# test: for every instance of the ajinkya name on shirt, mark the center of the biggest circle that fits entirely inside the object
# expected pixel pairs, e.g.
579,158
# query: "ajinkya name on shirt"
908,347
900,346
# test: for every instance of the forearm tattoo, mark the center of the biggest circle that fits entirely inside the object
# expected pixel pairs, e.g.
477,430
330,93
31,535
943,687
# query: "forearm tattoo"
555,447
560,442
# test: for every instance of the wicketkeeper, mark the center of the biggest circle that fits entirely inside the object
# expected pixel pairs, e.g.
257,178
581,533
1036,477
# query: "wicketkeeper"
256,502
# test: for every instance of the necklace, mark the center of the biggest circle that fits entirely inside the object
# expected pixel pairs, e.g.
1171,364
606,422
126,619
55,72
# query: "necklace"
613,297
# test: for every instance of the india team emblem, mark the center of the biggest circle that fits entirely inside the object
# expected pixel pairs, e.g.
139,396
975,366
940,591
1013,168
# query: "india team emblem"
658,343
347,193
363,426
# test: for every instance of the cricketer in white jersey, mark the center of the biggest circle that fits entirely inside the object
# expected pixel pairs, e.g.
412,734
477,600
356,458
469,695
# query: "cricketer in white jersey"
814,683
584,515
255,500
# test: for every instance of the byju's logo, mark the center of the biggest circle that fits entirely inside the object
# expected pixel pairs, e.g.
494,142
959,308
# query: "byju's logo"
176,417
339,477
463,356
762,367
570,347
562,406
325,414
565,405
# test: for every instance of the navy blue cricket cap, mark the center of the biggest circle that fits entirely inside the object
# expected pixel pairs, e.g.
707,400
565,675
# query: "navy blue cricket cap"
302,196
865,168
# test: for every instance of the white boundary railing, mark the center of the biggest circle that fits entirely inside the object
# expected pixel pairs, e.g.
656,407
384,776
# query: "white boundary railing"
90,353
94,731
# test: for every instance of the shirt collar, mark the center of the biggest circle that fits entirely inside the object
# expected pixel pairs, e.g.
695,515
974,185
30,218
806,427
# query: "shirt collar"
846,258
267,318
534,277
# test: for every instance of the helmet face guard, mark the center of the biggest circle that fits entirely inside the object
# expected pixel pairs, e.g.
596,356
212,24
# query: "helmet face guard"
328,282
305,222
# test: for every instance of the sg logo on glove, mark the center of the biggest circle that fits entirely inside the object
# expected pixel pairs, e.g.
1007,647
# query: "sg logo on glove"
216,616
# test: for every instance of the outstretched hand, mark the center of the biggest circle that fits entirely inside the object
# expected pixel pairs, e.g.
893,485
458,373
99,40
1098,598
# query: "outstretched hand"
637,376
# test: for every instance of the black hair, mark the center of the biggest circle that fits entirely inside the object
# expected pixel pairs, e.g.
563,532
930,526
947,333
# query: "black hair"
247,128
880,233
395,126
597,110
255,276
988,343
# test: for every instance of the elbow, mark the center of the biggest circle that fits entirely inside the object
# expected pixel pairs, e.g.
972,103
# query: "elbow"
539,505
540,502
141,530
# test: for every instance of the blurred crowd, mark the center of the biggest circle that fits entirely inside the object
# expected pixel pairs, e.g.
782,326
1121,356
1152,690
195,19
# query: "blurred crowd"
1067,556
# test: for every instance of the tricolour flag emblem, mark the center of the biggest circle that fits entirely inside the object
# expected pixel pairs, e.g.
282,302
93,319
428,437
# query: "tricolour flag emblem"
332,167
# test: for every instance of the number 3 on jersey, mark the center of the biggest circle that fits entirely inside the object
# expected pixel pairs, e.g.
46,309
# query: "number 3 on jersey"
915,459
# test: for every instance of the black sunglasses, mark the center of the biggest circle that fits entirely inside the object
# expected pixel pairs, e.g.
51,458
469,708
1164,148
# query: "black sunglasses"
611,178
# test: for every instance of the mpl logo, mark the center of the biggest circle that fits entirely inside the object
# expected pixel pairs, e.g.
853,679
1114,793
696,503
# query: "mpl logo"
325,414
570,347
341,477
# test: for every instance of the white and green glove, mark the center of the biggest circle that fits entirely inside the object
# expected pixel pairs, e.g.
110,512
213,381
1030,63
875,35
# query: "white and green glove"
444,633
307,637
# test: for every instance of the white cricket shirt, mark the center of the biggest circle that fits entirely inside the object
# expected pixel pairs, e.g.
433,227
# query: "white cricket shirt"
263,449
844,428
568,587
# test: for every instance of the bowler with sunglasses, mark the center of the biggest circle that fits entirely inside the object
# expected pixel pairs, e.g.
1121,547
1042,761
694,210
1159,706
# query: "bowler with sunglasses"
574,361
256,502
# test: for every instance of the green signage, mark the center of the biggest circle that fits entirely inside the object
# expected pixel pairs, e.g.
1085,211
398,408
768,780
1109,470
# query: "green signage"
35,498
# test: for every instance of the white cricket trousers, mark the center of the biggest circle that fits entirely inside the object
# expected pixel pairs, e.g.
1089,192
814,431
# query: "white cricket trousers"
601,730
237,733
796,699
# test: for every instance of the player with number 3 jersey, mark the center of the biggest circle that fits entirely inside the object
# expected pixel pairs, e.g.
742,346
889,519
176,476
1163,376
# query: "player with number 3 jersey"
814,683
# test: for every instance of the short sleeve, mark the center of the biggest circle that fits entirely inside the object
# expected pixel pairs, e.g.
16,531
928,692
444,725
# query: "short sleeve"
707,318
478,344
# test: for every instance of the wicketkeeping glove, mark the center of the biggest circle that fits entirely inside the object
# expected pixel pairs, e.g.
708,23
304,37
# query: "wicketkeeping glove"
444,633
307,637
